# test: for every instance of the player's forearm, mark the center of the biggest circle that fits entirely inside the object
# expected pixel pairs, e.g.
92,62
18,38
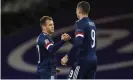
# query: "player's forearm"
74,50
56,46
77,45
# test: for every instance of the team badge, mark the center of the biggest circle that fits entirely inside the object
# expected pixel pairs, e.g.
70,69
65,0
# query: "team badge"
46,41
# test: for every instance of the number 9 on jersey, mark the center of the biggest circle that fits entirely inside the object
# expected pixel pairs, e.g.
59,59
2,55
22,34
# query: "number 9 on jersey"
93,38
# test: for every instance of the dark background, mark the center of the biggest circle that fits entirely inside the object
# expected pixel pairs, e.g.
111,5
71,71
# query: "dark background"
20,23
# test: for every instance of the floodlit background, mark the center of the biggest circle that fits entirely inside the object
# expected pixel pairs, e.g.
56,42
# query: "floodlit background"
20,27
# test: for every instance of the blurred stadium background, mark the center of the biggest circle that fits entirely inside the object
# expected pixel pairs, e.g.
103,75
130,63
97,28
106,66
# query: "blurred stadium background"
20,27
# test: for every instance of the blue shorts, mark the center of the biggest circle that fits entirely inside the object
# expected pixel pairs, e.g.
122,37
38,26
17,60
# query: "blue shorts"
47,73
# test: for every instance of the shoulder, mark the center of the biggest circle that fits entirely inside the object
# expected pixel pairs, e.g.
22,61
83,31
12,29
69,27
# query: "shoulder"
43,39
80,25
42,36
91,23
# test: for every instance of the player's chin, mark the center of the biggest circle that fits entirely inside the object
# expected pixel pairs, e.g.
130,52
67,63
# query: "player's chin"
52,31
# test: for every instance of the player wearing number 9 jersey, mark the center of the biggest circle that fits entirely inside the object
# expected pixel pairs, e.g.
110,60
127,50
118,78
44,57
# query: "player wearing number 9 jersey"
84,46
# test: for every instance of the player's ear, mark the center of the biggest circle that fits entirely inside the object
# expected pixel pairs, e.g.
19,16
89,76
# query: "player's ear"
43,26
80,10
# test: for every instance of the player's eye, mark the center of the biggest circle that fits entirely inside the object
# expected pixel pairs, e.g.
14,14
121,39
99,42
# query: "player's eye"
50,24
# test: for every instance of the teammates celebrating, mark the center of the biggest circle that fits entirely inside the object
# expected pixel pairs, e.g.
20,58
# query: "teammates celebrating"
84,47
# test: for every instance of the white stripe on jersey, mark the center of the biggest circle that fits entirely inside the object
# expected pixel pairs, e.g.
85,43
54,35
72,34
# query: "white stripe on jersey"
81,35
49,46
37,39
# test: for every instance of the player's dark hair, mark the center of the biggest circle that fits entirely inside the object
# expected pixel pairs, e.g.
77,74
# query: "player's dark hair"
43,20
84,6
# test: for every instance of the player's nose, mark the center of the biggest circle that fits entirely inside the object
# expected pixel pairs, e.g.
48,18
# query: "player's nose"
52,26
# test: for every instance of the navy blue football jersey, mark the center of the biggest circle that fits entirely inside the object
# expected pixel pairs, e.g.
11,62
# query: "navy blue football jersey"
46,51
85,39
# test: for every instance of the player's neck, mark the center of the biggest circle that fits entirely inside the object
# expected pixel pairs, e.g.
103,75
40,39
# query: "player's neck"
46,32
82,16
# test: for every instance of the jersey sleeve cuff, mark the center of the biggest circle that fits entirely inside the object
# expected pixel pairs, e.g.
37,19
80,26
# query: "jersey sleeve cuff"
62,41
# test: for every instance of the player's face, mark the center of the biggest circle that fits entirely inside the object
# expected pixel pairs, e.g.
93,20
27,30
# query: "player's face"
78,12
50,26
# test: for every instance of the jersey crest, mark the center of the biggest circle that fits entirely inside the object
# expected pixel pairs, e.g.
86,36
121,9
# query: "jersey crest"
46,41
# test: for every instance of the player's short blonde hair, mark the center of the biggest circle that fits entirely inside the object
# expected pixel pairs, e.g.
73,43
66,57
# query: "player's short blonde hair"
84,6
43,19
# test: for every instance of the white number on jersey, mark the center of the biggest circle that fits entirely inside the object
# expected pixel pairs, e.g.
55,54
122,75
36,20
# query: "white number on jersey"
38,50
71,74
93,38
